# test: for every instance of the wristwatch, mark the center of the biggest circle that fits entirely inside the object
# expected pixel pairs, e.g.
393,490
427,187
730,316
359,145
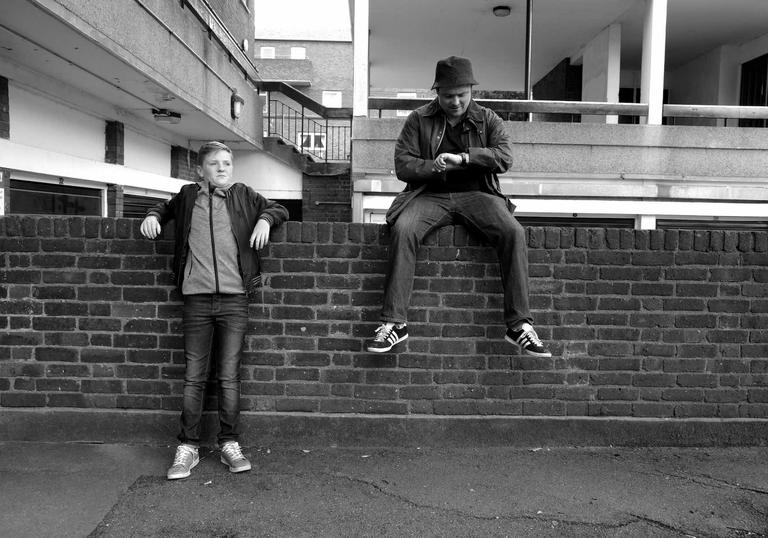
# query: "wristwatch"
465,159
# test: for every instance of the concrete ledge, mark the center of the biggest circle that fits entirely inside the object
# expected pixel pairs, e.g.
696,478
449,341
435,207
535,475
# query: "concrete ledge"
319,430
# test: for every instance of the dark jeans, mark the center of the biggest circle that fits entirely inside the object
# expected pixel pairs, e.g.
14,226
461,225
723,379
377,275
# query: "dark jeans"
213,325
485,214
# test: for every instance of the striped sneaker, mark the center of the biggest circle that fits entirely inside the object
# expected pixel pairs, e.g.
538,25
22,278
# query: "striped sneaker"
386,337
528,340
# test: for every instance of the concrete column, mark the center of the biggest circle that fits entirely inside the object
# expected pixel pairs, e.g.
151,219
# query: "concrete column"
654,48
5,191
360,36
601,71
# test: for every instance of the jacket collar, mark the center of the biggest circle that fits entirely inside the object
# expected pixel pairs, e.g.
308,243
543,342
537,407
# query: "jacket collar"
474,112
217,191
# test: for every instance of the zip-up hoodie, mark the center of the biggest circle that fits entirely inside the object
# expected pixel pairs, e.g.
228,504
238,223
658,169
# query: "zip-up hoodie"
245,207
483,132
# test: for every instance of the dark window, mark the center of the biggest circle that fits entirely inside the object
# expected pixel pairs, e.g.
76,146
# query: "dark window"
578,222
33,198
754,79
293,207
136,207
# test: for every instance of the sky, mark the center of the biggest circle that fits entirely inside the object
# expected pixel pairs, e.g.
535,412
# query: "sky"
305,20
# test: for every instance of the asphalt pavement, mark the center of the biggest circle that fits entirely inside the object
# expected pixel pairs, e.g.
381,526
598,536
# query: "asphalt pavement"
87,489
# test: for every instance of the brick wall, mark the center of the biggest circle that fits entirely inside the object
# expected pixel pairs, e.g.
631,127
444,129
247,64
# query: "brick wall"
643,324
327,198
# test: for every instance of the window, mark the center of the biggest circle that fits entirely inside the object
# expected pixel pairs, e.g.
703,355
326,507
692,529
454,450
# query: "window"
267,53
405,95
314,142
754,79
298,53
135,206
34,198
332,99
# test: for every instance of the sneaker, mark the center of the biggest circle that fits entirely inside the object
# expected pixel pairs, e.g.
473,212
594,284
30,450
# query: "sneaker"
185,460
528,340
232,456
386,337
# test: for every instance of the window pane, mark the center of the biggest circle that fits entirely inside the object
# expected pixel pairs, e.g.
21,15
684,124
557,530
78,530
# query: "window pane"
268,53
32,198
298,53
136,207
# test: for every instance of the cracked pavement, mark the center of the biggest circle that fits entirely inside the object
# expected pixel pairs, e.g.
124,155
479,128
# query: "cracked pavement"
121,490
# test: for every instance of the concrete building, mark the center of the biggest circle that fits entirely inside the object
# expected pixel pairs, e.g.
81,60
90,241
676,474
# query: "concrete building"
104,104
101,108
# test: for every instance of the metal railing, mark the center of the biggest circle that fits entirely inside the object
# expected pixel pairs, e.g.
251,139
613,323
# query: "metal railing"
321,132
587,108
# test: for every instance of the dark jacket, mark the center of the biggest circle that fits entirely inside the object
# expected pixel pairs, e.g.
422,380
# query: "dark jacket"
483,132
245,207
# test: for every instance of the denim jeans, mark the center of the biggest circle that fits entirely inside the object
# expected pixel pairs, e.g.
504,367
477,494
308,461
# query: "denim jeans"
484,214
214,325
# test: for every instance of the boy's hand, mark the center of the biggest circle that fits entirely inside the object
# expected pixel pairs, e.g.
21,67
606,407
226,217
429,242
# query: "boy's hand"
260,235
150,227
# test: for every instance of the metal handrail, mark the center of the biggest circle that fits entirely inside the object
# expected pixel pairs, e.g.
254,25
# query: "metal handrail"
304,100
311,136
585,107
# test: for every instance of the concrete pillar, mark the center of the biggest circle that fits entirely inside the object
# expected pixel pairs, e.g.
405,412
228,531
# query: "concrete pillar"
654,48
5,191
601,71
360,36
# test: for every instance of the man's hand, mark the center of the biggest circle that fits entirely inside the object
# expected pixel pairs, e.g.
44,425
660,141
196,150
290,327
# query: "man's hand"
446,162
260,235
150,227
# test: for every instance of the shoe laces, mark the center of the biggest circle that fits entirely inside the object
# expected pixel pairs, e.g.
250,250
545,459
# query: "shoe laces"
531,337
383,332
184,455
233,450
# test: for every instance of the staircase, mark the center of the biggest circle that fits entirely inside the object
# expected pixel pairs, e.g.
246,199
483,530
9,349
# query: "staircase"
301,132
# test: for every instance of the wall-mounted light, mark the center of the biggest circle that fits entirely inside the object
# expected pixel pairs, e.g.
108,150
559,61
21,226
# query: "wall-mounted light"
236,104
502,11
163,115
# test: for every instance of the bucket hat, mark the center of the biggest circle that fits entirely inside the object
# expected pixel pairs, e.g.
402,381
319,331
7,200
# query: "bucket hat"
453,71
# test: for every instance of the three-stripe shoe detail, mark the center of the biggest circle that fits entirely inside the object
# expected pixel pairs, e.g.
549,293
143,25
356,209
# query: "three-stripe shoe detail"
386,337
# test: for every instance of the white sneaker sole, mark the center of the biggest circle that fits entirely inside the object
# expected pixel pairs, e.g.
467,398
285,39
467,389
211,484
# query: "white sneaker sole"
527,351
235,469
385,349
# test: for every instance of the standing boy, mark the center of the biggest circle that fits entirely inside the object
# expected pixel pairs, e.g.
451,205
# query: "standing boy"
219,226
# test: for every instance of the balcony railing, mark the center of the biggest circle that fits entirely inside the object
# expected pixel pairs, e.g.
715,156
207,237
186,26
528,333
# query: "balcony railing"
586,108
321,132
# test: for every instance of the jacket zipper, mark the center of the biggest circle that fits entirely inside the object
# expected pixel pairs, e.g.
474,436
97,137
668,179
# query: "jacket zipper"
213,241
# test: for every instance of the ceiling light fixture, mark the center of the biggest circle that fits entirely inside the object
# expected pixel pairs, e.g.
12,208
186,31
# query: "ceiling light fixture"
163,115
502,11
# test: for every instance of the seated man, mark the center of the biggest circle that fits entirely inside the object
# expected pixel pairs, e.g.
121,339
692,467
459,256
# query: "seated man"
449,152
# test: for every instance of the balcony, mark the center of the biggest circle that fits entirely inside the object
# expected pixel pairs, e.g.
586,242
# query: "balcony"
644,176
